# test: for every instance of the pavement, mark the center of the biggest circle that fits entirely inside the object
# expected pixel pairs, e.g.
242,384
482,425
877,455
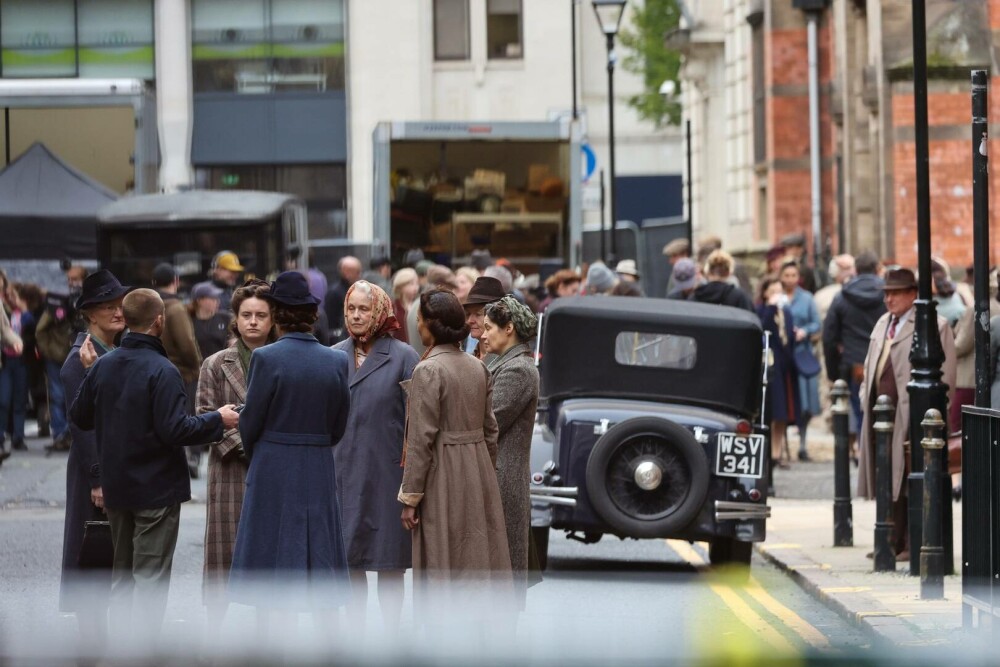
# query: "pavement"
887,606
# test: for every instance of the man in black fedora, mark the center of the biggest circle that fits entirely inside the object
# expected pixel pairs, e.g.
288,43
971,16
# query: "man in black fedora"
133,399
484,291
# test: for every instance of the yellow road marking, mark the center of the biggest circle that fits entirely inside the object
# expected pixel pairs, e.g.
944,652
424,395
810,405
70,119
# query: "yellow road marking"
776,547
750,618
747,615
791,620
686,551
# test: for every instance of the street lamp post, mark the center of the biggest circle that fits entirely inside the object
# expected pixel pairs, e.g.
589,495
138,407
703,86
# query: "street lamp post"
609,17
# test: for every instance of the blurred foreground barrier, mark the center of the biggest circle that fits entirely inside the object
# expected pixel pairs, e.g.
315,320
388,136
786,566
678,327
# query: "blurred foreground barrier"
885,557
932,550
843,513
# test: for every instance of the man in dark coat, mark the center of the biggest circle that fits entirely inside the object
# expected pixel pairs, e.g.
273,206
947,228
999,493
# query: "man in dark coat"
848,326
349,270
134,400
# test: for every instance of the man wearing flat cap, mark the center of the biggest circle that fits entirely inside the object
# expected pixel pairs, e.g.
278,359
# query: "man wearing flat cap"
887,371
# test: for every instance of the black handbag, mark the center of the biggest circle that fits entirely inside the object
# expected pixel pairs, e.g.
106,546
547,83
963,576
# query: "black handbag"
97,551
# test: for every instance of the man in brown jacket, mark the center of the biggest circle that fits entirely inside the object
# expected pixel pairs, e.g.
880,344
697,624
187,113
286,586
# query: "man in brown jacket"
181,345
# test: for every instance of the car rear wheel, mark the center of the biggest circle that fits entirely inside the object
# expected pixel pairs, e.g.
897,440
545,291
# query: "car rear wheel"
647,477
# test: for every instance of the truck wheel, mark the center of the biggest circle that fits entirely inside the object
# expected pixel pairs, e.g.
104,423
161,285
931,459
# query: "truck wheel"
732,554
647,477
540,535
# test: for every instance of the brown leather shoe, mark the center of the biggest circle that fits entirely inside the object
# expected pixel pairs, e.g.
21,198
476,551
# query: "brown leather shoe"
903,557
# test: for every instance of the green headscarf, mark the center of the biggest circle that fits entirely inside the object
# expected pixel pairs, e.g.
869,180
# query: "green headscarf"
525,321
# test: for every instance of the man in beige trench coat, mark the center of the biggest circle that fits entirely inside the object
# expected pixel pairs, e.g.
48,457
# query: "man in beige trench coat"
887,371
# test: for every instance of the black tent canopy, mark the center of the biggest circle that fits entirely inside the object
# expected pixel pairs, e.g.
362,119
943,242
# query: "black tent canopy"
48,209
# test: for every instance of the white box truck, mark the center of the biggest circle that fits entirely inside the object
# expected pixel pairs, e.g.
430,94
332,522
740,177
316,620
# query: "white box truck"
449,188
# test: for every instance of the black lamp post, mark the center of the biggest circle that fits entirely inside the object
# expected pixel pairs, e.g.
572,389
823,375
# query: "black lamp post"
609,17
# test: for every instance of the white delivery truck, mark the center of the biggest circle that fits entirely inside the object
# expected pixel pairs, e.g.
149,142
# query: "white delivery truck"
448,188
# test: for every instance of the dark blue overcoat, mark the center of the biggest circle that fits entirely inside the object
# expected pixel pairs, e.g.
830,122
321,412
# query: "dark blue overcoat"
368,470
82,475
290,530
782,379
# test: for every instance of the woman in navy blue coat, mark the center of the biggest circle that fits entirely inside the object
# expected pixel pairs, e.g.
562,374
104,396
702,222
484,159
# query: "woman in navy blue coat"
782,405
290,538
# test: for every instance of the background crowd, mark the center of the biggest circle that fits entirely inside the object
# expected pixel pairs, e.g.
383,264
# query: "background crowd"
424,378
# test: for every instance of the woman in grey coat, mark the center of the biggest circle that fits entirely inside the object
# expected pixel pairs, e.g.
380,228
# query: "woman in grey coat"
368,458
508,327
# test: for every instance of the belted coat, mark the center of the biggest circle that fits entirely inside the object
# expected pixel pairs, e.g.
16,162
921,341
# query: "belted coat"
290,530
899,353
368,457
450,473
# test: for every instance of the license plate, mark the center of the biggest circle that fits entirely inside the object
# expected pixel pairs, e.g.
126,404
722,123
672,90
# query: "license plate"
739,455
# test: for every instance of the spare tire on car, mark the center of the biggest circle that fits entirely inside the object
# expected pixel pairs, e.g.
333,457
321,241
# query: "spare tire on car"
647,477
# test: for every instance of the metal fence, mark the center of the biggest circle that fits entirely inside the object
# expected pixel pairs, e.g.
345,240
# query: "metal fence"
980,510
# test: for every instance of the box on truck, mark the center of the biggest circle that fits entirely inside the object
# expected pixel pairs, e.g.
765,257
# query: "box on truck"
512,188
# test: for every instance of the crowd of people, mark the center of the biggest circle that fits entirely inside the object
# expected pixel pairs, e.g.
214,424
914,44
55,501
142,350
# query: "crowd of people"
383,422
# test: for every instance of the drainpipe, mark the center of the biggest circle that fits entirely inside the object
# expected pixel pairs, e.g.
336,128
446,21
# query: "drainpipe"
812,22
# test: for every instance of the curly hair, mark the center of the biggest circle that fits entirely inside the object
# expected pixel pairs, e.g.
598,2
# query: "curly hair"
251,289
560,278
295,319
443,316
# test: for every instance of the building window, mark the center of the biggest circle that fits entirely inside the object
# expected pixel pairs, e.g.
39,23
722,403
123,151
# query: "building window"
69,38
503,29
451,30
265,46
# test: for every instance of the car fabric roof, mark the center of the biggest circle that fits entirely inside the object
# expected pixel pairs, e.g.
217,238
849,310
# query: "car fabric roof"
578,352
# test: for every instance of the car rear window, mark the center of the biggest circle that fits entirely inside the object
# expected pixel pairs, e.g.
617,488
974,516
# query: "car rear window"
656,350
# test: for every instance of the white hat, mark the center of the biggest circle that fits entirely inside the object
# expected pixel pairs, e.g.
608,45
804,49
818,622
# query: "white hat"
627,267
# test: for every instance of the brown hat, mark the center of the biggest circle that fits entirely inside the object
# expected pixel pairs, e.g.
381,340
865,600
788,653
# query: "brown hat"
485,290
677,247
900,279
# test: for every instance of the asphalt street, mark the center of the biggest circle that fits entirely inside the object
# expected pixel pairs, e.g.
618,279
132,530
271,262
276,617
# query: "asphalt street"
638,600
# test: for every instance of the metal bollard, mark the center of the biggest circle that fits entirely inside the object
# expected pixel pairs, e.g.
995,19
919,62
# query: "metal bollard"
843,513
932,550
885,557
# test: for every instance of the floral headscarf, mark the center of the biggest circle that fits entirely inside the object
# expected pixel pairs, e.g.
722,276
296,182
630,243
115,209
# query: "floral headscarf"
525,321
383,318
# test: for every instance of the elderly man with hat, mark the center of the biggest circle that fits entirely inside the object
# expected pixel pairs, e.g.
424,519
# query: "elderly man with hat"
887,371
133,399
226,271
486,290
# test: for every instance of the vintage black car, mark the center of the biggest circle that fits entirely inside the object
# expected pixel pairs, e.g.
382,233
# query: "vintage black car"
649,424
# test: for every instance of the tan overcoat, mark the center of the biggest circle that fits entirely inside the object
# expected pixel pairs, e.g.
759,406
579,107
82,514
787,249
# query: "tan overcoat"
222,382
900,355
450,475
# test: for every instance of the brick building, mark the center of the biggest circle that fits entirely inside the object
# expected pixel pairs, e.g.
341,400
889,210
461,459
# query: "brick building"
866,121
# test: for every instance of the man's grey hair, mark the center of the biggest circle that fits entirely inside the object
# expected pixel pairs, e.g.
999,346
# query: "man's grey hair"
866,262
501,274
835,268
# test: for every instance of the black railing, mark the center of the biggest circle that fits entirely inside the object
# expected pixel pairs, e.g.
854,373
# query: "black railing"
980,507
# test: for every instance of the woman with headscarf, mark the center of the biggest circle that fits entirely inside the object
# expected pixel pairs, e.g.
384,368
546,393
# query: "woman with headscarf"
86,591
368,458
450,491
223,381
508,327
290,537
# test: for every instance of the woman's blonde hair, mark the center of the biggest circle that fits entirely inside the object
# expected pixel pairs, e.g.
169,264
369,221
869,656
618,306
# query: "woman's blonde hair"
402,277
719,264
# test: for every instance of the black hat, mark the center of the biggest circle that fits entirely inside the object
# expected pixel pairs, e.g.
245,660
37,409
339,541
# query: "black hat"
100,287
485,290
164,275
291,289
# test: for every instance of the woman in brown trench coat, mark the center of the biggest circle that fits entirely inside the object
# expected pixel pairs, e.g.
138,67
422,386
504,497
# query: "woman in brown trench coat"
507,327
450,492
223,381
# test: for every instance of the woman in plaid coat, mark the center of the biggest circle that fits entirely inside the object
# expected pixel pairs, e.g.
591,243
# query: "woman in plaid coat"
223,381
